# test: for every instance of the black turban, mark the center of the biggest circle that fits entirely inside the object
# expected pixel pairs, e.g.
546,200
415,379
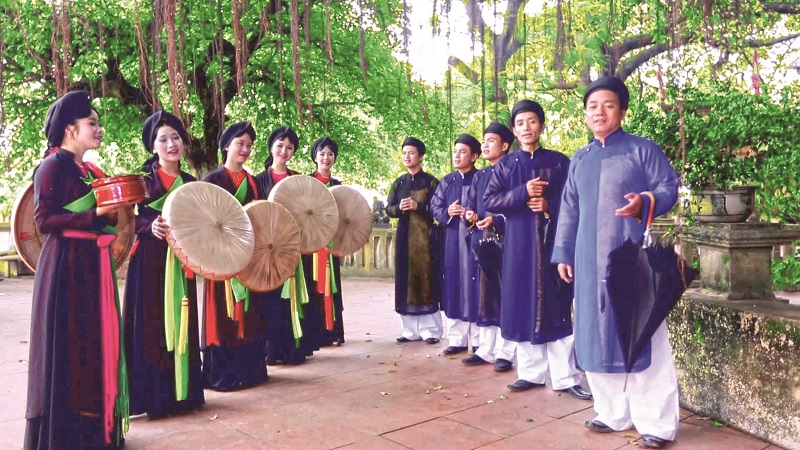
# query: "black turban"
526,106
319,144
233,132
156,121
64,112
473,143
414,142
277,135
612,84
501,130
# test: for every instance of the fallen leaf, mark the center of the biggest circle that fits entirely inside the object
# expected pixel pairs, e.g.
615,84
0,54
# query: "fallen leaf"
368,340
466,395
392,371
718,424
394,364
381,362
23,342
384,393
367,356
529,421
436,388
490,401
214,417
428,356
428,391
368,334
503,397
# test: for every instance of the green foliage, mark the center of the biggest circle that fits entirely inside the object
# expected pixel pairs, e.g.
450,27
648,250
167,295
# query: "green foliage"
786,271
733,138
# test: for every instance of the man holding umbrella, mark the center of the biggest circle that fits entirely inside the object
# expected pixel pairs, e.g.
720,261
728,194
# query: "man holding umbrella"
603,204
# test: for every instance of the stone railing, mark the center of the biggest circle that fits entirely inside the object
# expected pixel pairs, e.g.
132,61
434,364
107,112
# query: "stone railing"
375,259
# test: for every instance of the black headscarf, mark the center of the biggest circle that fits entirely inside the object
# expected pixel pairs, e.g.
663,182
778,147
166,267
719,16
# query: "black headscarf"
501,130
414,142
156,121
612,84
277,135
233,132
64,112
319,144
526,106
150,131
470,141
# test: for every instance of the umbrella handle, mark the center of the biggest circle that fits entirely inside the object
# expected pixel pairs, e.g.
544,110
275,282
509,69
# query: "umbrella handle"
647,239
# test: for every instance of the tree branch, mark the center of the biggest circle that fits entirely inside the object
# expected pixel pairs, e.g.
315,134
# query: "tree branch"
782,8
464,69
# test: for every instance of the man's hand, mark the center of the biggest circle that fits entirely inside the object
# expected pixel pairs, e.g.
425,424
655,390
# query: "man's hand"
455,209
535,187
565,272
633,208
408,204
539,205
485,223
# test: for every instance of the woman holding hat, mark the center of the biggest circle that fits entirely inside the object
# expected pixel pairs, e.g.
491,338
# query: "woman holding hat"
77,379
324,314
164,379
234,327
284,344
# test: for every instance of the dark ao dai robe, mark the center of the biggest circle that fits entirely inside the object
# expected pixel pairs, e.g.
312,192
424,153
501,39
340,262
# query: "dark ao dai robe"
536,303
65,404
280,342
418,253
235,362
150,365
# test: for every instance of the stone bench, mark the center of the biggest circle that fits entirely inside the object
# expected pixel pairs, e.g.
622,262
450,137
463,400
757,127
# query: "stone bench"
12,266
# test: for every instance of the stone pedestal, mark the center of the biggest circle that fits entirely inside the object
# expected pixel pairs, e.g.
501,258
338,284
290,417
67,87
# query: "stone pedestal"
736,258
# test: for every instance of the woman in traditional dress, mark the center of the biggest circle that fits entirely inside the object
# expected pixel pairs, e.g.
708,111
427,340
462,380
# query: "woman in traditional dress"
285,341
77,379
326,291
234,326
165,376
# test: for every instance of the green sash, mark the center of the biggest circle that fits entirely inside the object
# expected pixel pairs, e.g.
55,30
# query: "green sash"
240,291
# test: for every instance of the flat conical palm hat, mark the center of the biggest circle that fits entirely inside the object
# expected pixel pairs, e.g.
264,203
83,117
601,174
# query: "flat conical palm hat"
209,231
355,221
313,207
277,246
28,239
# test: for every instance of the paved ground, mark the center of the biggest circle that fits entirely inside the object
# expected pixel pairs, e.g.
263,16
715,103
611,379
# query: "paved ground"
371,393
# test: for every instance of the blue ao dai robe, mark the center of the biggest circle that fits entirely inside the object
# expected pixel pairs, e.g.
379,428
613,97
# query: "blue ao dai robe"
599,177
459,296
488,295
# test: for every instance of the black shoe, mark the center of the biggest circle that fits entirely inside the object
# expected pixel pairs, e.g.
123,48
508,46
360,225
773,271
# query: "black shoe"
597,426
432,340
451,350
404,339
474,360
577,392
502,365
522,385
650,441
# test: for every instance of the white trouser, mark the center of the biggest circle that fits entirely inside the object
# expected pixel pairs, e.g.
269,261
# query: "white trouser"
534,360
493,346
458,331
650,400
422,327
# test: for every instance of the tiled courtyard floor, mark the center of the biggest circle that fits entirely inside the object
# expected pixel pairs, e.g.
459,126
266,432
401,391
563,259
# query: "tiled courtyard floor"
370,393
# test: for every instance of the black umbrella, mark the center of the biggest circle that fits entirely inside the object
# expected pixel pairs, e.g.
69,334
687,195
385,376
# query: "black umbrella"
489,253
644,281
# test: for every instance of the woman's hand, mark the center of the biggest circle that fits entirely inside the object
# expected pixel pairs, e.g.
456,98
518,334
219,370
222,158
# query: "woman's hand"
159,228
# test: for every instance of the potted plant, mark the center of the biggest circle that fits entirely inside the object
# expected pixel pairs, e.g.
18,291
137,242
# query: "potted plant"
728,137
